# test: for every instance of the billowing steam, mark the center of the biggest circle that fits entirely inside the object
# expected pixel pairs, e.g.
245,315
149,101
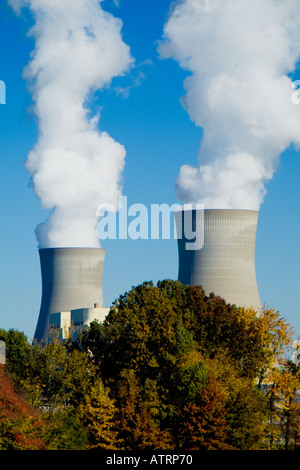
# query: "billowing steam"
240,54
74,167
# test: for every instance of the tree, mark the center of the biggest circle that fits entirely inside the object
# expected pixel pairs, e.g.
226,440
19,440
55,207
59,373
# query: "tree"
140,331
58,378
202,423
227,412
21,426
139,414
169,368
19,353
275,338
65,432
97,413
195,351
246,415
284,406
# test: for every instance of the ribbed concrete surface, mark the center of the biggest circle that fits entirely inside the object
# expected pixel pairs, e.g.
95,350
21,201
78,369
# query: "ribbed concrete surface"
71,279
226,263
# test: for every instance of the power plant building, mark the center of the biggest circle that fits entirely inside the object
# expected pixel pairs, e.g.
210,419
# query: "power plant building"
225,264
71,323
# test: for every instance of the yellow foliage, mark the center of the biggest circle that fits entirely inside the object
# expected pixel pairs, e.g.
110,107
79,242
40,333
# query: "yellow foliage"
97,413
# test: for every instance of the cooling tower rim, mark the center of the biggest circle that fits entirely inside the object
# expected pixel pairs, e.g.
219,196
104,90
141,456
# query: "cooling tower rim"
72,248
182,209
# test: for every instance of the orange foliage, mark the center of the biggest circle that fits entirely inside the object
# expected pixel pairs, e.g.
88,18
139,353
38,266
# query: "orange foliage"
20,424
203,423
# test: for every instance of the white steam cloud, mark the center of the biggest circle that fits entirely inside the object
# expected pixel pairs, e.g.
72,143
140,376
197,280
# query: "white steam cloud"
239,54
74,167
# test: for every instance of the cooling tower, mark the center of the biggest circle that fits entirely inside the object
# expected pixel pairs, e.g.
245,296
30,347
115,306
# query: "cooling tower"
71,279
225,265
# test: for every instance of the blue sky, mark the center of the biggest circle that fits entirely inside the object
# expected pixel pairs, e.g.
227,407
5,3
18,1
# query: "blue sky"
159,137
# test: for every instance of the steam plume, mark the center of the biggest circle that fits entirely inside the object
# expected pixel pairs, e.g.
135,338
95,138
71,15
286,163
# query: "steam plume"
74,167
240,54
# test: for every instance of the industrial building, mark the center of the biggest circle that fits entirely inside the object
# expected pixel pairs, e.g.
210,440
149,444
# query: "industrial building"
74,321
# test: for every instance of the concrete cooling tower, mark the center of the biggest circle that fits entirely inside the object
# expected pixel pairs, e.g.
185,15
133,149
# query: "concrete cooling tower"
225,265
71,279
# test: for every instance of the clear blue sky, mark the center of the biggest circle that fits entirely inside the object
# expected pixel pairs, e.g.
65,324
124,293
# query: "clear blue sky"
159,137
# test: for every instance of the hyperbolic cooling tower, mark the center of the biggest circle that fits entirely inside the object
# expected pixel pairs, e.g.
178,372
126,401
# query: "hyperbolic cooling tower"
71,279
225,265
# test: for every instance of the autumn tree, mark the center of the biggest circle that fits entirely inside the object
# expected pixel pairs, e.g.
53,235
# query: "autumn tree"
124,341
54,380
284,407
228,412
139,414
97,414
246,406
21,426
172,336
169,368
202,422
276,338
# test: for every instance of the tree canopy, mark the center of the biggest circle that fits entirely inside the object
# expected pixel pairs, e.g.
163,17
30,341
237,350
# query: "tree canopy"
169,368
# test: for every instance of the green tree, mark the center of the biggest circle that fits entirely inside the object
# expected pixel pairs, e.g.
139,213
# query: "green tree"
65,432
58,378
19,353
